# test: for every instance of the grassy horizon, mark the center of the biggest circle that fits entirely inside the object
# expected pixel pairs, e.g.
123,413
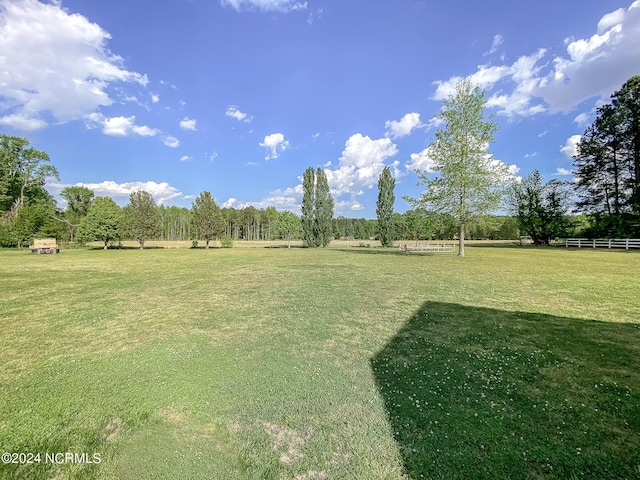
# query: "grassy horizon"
313,363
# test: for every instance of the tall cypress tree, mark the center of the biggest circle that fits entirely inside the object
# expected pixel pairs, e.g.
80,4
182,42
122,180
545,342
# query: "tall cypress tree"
323,210
384,207
308,197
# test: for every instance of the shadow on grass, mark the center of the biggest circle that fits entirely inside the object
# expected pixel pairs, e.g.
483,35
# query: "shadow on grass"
381,251
482,393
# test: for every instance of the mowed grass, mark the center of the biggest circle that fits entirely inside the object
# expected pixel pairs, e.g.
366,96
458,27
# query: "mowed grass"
322,363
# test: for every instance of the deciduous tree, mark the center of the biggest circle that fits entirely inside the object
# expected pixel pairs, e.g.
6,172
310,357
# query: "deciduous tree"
141,219
469,182
541,209
207,218
102,222
288,226
307,207
323,209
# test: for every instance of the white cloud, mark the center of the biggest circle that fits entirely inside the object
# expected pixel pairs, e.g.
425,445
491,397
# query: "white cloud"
144,131
497,41
421,161
570,148
120,126
21,122
591,67
234,112
530,155
275,145
280,202
188,124
360,165
185,158
404,126
54,62
155,98
171,142
563,171
266,5
162,192
582,119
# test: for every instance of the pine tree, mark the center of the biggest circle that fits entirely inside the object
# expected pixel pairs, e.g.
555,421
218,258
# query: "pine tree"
384,207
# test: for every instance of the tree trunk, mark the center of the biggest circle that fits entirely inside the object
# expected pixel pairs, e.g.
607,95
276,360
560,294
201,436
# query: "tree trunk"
461,241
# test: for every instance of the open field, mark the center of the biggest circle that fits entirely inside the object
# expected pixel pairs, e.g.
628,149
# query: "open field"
363,363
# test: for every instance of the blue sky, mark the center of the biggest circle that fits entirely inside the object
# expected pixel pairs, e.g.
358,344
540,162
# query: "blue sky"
239,97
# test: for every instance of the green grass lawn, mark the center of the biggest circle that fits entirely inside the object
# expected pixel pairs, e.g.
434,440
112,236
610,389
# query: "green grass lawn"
321,363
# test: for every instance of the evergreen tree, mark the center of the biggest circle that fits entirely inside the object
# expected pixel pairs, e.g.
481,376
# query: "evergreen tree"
141,219
307,207
323,210
384,207
607,165
208,221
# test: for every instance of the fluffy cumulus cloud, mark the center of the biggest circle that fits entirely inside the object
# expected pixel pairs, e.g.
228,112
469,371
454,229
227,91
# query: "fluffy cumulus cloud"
120,126
404,126
421,161
54,66
570,148
171,142
563,171
589,67
162,192
188,124
275,145
265,5
233,111
360,165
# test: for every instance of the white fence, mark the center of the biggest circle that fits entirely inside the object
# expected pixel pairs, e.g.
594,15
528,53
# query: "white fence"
625,243
431,247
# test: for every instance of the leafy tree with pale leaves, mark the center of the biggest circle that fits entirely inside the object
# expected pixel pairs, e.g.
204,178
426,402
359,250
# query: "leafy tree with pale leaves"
384,207
469,183
141,219
102,222
207,220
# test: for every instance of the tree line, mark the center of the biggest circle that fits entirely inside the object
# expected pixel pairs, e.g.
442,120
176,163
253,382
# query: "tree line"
603,201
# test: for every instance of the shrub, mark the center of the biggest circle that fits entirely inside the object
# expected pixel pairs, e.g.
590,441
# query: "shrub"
226,242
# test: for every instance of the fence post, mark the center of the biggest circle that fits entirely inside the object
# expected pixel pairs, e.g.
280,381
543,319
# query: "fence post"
594,243
626,244
609,243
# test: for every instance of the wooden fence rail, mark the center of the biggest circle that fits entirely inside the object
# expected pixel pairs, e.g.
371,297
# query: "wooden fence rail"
626,243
